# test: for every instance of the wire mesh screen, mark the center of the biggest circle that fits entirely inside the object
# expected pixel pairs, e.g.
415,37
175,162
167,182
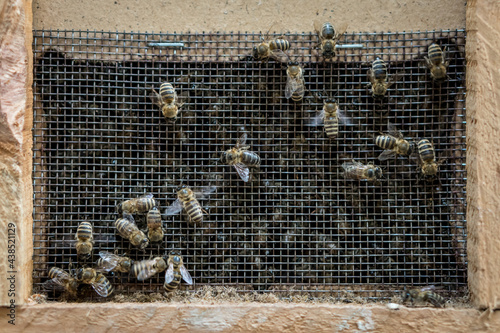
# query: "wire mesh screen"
298,224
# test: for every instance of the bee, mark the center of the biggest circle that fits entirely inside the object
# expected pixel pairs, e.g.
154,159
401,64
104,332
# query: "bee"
147,268
84,240
295,85
428,159
241,158
394,145
155,230
175,272
328,37
99,282
109,262
188,199
167,100
272,48
425,294
436,62
378,78
357,170
60,279
331,116
141,204
128,229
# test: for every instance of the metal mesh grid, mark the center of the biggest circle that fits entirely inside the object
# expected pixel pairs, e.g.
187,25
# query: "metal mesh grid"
298,225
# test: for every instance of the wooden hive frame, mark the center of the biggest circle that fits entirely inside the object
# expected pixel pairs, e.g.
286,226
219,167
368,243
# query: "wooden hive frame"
483,95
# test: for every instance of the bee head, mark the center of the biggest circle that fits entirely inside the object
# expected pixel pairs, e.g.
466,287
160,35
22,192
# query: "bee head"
331,100
293,63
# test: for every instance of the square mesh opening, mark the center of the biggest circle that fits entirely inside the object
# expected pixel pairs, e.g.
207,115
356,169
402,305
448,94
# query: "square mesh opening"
298,225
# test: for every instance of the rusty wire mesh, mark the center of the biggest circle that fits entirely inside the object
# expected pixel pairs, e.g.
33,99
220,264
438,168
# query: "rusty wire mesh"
298,224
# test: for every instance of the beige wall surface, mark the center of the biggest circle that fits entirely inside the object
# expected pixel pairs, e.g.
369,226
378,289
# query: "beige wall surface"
247,15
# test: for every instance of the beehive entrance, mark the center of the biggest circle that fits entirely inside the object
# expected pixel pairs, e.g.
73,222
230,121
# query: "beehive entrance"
298,224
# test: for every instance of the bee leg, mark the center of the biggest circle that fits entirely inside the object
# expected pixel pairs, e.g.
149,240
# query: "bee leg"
204,211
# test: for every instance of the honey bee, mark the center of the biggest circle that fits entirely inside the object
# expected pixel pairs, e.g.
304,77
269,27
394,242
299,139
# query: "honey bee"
128,229
84,240
436,62
272,48
425,294
241,158
429,166
175,272
295,85
328,37
357,170
60,279
378,78
167,100
155,230
99,282
331,116
394,145
141,204
147,268
110,262
188,199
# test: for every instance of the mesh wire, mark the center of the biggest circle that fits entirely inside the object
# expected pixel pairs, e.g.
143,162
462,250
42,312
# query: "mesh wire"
298,225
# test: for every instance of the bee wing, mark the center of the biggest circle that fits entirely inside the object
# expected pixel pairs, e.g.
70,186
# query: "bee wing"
174,208
242,140
341,31
343,117
169,274
317,119
109,261
100,288
185,275
155,98
394,78
148,270
147,196
352,169
386,155
204,192
243,171
370,75
53,284
392,130
291,86
431,287
317,27
279,55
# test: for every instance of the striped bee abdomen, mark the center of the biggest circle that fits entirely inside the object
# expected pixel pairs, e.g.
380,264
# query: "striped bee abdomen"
55,272
426,150
193,209
103,281
84,231
385,141
174,284
250,158
298,94
167,92
379,69
435,54
154,218
332,126
279,44
327,31
435,299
